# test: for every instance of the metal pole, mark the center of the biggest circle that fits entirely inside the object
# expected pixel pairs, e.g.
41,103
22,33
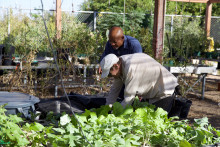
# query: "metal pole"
84,74
171,27
94,25
203,85
124,15
8,10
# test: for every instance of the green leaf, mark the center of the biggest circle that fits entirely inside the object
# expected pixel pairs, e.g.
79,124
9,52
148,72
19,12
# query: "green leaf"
128,110
55,137
98,143
71,129
23,141
160,113
202,122
117,109
120,141
65,119
93,117
71,141
217,132
141,112
103,110
15,118
36,127
81,118
62,131
184,143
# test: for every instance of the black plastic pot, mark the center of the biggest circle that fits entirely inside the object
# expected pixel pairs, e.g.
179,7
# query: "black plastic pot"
0,59
7,61
180,108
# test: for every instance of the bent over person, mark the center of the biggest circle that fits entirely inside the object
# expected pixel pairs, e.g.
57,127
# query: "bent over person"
139,73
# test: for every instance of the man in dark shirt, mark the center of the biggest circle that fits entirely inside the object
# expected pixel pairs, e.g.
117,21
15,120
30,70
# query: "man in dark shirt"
120,44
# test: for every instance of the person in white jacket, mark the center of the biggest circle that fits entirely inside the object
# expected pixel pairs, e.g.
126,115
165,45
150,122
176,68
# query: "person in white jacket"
141,74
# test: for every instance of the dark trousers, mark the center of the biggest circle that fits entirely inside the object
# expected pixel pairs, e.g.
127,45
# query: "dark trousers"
121,94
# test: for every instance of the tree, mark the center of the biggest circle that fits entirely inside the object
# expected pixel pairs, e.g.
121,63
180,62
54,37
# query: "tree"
147,6
144,6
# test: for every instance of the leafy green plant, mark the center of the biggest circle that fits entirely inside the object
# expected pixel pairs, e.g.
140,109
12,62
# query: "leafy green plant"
10,129
140,125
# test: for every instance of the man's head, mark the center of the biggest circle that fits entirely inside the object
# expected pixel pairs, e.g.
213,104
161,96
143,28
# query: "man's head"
116,37
110,64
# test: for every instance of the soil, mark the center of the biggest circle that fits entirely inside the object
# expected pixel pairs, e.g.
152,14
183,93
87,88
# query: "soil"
209,106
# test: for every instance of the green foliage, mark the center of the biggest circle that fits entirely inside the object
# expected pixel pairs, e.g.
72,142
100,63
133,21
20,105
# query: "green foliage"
140,125
28,34
130,5
80,39
131,24
187,39
181,8
147,7
10,131
145,36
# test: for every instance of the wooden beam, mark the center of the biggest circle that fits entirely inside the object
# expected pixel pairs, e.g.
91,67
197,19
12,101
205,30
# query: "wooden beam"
208,16
159,12
214,1
197,1
191,1
58,18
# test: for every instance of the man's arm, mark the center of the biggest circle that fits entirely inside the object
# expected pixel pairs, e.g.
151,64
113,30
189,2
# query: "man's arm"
131,87
128,100
114,92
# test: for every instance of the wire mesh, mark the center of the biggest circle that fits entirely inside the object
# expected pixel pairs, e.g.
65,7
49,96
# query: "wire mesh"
215,29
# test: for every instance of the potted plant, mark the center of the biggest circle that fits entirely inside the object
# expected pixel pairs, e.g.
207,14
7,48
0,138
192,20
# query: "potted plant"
7,51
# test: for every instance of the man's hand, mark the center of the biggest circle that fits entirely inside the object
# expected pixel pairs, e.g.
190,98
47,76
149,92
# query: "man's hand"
100,70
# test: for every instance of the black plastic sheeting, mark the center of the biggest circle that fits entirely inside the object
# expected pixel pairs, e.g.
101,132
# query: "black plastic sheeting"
78,103
88,101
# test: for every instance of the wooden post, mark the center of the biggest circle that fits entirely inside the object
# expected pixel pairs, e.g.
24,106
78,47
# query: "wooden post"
208,16
58,18
158,28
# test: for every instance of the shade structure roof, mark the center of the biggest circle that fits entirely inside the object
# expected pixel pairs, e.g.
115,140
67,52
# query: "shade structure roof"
197,1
